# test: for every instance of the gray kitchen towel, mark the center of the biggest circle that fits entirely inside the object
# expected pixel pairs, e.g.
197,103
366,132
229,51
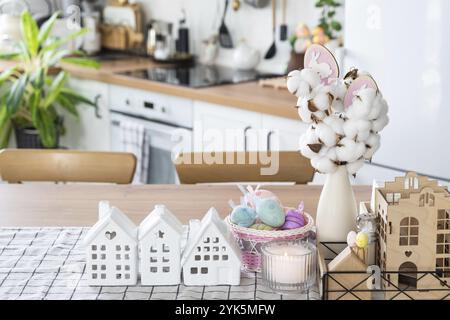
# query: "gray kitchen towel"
132,138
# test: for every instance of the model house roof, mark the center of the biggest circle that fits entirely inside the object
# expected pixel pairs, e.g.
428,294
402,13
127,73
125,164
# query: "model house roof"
159,214
347,260
108,214
198,229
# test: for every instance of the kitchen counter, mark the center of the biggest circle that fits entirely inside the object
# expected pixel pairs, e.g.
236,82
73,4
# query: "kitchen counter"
249,96
76,204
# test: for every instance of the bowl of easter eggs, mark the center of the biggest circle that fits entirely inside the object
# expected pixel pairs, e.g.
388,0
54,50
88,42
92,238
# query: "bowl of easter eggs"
259,218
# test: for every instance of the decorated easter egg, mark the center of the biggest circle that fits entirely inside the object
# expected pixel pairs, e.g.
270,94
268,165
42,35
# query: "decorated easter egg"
362,239
351,239
243,216
260,195
294,219
261,226
270,212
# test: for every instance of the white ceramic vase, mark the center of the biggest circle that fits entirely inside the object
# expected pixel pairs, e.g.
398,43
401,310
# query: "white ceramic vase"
337,209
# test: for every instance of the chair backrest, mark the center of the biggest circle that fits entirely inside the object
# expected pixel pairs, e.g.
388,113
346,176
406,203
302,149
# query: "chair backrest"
17,165
195,168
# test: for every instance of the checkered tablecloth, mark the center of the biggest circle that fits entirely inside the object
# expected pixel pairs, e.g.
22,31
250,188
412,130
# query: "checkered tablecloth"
49,263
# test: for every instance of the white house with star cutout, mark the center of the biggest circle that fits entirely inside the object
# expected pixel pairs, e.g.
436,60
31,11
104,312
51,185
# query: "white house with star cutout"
159,238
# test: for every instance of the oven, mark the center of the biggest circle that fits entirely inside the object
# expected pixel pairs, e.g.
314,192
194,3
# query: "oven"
167,123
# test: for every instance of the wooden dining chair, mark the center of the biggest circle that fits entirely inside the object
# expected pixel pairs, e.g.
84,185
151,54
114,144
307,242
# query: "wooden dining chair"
194,168
20,165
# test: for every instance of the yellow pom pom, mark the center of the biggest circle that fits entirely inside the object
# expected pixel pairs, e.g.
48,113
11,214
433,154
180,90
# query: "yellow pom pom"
362,239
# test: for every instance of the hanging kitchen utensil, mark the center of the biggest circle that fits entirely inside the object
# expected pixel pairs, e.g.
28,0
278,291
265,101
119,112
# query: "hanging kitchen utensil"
283,27
257,3
236,4
273,48
224,35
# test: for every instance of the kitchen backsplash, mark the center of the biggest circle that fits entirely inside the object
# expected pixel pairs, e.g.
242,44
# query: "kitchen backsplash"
253,25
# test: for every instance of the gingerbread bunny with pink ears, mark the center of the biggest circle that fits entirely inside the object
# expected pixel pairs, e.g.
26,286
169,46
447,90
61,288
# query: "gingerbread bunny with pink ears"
345,115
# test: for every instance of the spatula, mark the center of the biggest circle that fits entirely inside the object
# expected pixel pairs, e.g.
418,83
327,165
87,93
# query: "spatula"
273,48
224,35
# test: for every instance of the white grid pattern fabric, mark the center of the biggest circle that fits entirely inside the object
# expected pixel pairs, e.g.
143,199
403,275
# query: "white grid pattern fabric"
49,263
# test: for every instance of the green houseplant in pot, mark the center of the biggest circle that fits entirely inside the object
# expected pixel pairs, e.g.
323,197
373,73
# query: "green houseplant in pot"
33,92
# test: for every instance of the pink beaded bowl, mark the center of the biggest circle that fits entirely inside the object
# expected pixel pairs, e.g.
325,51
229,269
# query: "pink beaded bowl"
250,240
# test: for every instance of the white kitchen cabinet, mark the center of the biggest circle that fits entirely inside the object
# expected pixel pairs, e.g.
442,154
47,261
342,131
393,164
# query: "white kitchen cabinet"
220,128
92,130
283,134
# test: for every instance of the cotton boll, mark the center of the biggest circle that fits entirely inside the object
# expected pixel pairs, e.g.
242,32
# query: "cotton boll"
367,95
310,76
338,90
293,81
353,167
326,134
380,123
376,108
305,115
331,154
372,144
336,123
304,90
311,136
357,129
305,150
348,150
323,165
322,101
358,109
337,105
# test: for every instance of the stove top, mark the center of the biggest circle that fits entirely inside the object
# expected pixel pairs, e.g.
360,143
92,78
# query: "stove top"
197,76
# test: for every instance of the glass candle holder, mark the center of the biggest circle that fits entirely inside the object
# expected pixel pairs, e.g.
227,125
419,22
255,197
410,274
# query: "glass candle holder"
289,266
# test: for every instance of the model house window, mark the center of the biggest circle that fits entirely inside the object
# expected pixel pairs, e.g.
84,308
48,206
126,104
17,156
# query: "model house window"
426,198
409,231
443,267
412,182
443,222
443,243
393,198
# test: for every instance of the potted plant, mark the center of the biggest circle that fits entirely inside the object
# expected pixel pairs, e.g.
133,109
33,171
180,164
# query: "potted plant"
325,33
33,92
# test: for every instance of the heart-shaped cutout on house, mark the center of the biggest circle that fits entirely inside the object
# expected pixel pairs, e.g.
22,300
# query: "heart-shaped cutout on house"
408,253
110,235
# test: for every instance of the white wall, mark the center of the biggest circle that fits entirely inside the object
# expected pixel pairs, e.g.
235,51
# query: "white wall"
255,25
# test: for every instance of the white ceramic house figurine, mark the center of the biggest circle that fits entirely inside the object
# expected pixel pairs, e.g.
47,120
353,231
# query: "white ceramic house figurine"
211,256
111,246
160,248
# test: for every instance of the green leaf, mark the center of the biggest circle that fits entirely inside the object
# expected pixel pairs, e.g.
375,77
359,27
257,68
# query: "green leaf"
83,62
5,127
5,75
38,78
336,25
46,28
29,32
54,58
16,93
58,42
46,126
55,88
331,14
9,55
68,104
76,97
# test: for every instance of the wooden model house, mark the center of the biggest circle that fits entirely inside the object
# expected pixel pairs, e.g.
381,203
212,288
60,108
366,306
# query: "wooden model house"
160,248
211,256
111,249
414,235
347,286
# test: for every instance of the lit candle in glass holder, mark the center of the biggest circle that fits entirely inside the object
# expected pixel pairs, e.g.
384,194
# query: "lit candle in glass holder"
289,265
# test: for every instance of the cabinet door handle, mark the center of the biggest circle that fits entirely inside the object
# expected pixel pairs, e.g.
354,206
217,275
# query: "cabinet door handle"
245,137
269,136
97,108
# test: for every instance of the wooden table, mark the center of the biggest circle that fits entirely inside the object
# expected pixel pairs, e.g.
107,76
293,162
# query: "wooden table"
76,205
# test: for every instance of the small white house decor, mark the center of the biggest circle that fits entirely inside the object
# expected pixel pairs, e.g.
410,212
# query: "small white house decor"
111,249
160,248
211,256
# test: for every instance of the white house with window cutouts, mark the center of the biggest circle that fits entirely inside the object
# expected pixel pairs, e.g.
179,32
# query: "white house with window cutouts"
160,248
211,256
111,246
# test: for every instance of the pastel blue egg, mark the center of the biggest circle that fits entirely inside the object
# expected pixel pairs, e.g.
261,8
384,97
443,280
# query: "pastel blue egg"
270,212
243,216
